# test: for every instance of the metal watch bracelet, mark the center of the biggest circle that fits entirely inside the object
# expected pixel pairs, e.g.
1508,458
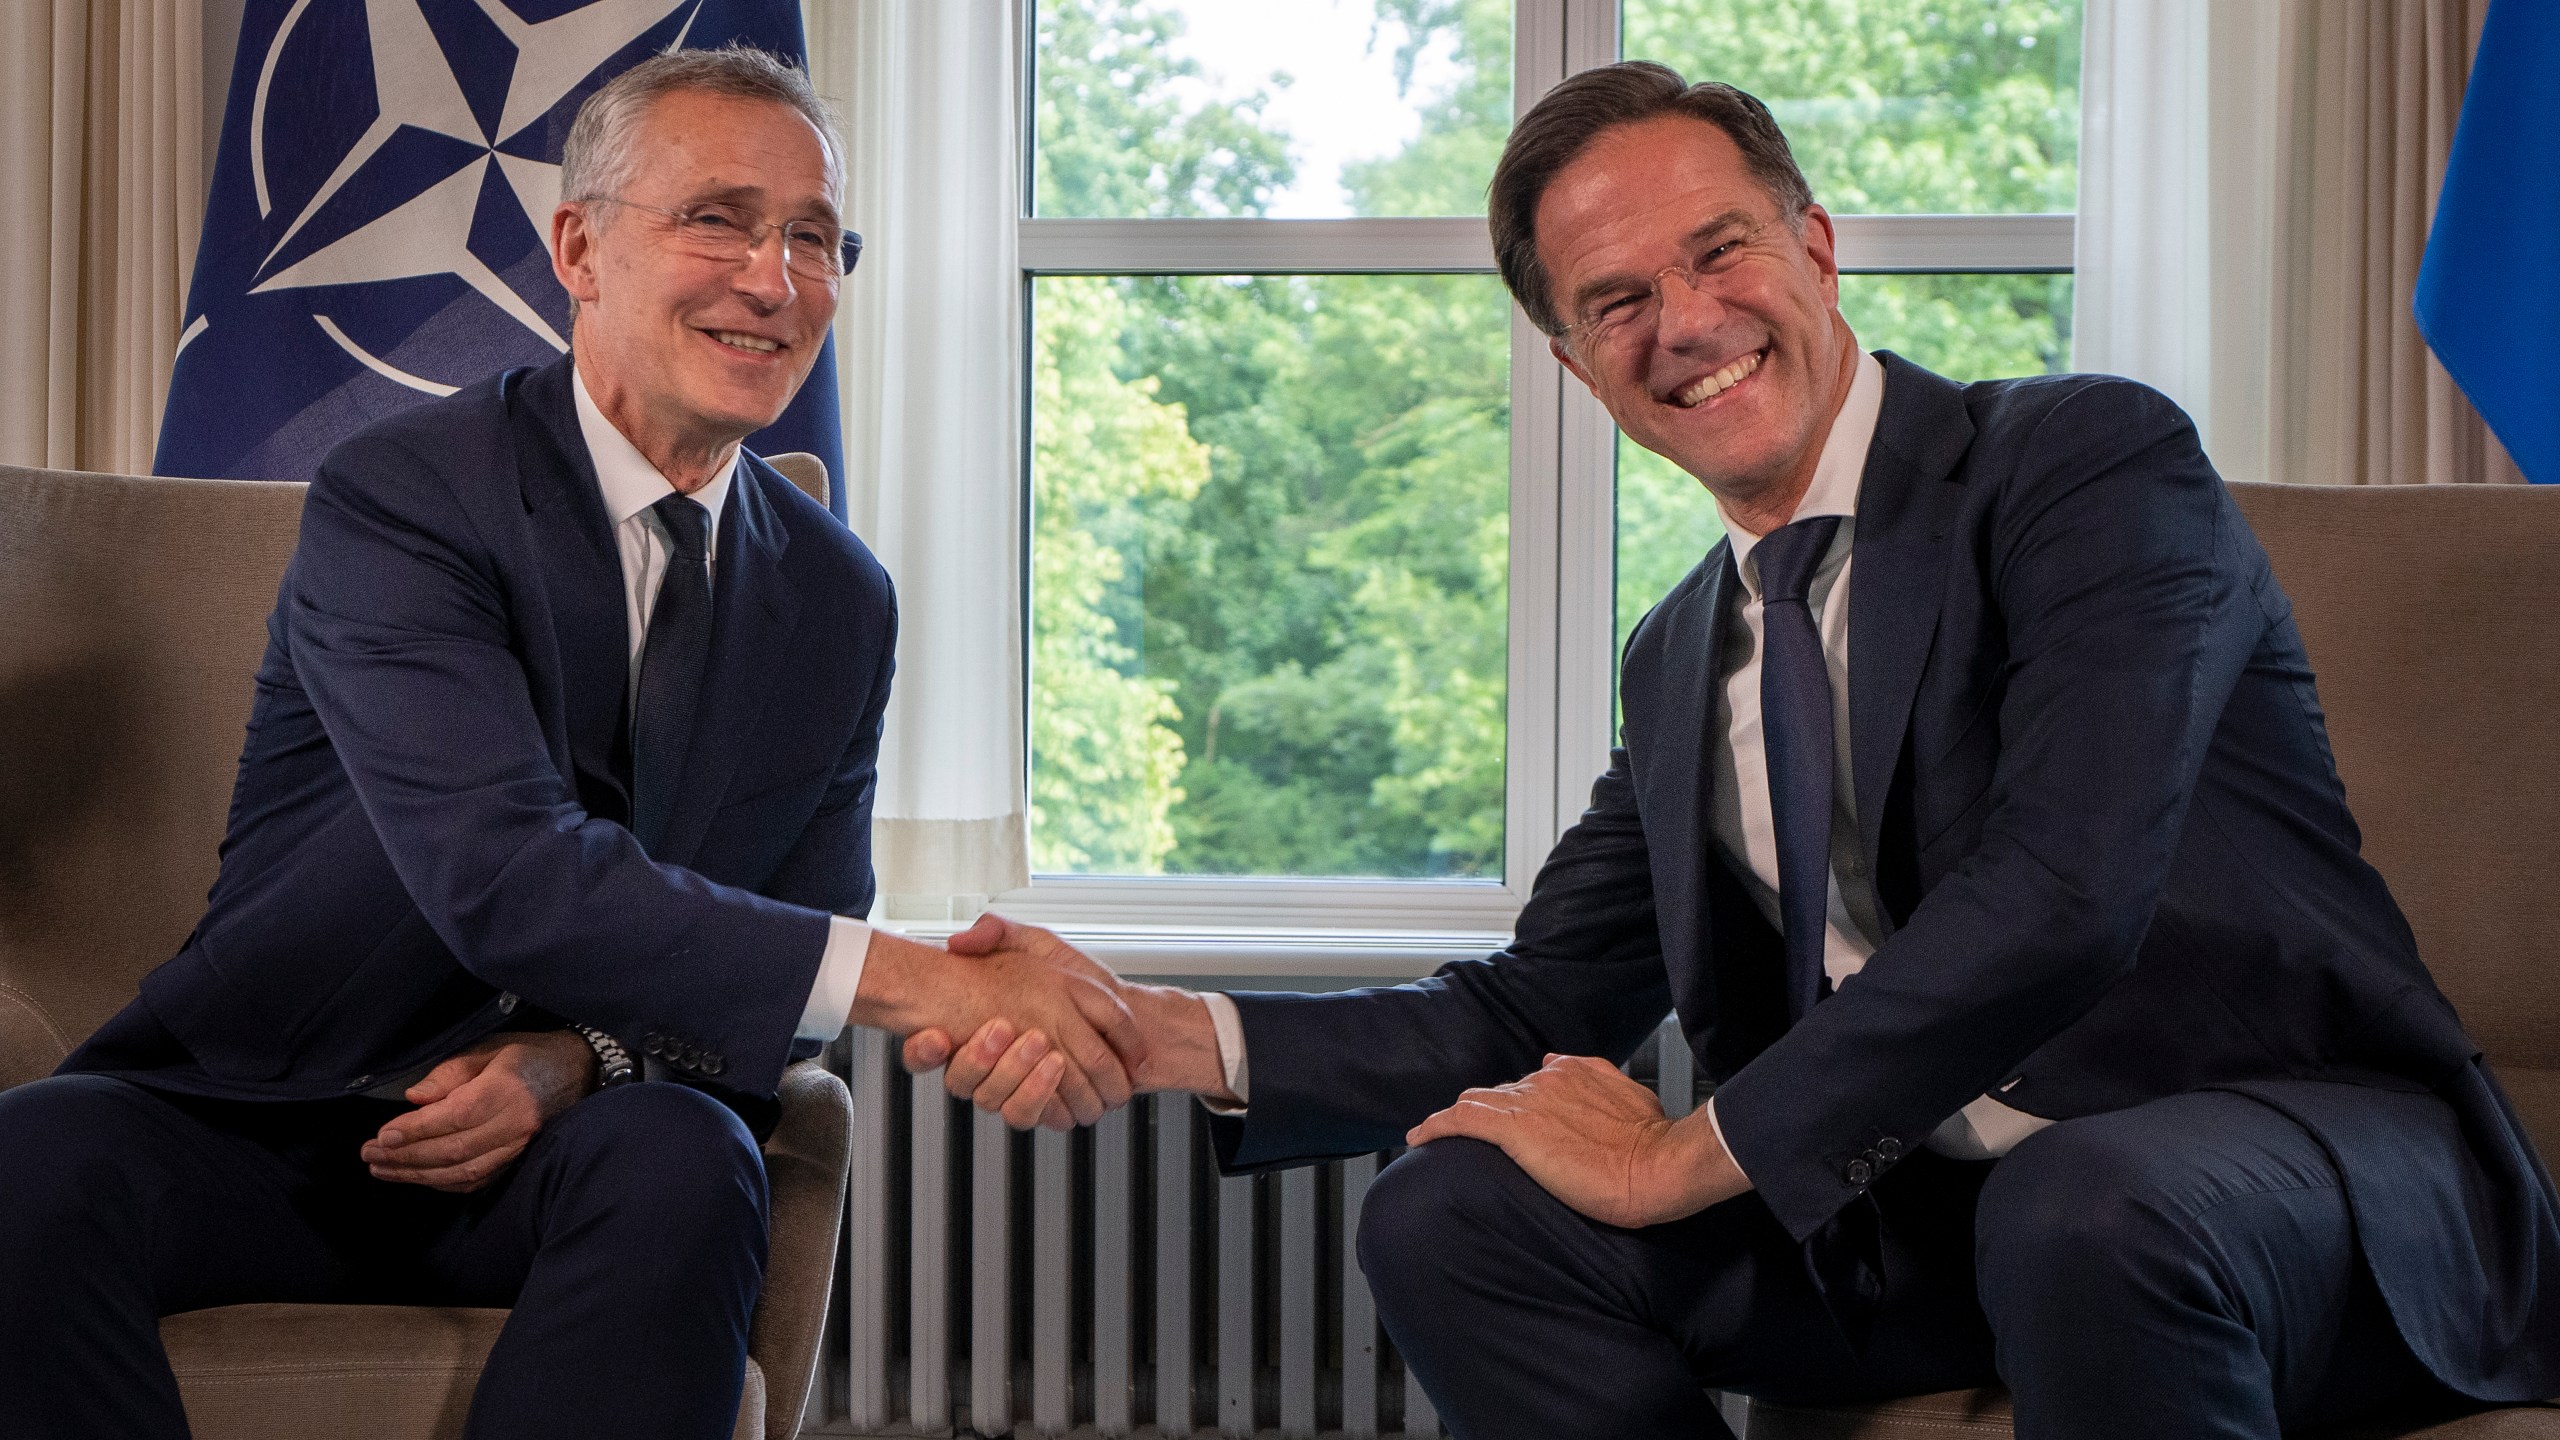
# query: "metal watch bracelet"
613,1063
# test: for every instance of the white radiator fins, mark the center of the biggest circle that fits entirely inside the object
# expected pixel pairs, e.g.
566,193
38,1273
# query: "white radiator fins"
1359,1313
1114,1377
1235,1307
991,1275
1100,1265
1052,1280
1174,1169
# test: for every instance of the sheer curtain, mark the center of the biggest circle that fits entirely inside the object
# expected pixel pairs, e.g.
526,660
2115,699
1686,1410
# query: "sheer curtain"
102,158
2256,180
929,355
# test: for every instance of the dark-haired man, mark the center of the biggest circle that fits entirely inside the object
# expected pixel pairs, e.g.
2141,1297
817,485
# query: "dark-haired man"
550,840
1975,812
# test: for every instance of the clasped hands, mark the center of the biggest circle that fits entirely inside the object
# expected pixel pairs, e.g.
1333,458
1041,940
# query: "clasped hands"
1056,1039
1595,1139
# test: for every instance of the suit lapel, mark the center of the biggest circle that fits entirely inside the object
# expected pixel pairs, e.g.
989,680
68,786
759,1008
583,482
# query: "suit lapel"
582,572
1905,507
752,607
1678,796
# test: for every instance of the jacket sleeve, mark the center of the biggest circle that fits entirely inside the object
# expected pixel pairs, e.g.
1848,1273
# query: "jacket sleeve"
829,866
1348,1072
399,625
2127,623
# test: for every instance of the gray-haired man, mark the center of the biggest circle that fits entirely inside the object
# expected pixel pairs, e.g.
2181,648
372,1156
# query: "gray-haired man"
562,760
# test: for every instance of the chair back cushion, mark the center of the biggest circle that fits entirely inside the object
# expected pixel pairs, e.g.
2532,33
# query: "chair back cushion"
132,614
2432,617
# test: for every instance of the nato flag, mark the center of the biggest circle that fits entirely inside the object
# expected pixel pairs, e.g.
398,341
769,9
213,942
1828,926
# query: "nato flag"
378,228
2488,296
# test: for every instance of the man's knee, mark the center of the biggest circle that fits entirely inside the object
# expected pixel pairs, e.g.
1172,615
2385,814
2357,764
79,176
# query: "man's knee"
2076,1212
1433,1211
67,1155
676,1149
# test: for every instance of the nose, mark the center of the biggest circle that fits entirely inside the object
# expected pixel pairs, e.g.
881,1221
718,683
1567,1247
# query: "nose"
1691,309
765,278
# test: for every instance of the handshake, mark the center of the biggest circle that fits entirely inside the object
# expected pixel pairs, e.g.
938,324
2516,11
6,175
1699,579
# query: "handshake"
1032,1029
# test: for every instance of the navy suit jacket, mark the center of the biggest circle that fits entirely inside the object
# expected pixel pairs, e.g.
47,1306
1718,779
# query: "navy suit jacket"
2114,857
426,839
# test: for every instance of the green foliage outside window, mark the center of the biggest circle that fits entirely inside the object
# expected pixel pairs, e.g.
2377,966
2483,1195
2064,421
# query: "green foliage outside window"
1271,513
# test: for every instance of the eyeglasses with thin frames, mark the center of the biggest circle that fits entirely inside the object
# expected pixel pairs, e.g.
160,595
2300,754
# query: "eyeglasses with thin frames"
1629,316
813,249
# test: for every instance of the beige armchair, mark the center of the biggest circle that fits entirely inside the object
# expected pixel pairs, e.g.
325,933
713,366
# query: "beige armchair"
2432,614
132,614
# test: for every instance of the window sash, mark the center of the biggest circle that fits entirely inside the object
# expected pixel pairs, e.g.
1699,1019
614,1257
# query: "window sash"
1869,244
1563,563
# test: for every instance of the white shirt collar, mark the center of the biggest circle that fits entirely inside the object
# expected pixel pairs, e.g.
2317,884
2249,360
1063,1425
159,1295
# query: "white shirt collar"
630,483
1837,474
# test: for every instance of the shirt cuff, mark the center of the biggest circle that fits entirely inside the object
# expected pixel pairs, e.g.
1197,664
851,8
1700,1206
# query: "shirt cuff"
1718,1126
839,974
1228,1022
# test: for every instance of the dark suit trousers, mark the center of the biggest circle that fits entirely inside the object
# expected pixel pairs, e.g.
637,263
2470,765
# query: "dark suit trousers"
2187,1267
629,1237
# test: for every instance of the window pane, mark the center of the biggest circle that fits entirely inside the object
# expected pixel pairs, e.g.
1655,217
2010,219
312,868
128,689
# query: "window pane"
1269,574
1312,109
1896,106
1965,327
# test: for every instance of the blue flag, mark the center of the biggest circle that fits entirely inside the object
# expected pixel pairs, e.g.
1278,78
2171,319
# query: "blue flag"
2488,297
380,216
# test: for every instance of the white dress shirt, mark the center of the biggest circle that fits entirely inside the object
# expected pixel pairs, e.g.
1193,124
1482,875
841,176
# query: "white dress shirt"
631,485
1741,820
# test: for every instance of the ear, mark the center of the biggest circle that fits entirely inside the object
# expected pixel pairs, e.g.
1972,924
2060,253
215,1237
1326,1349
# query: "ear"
573,251
1564,357
1821,247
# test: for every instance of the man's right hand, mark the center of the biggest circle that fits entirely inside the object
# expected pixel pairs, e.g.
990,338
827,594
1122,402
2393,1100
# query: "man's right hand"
998,1069
1078,1051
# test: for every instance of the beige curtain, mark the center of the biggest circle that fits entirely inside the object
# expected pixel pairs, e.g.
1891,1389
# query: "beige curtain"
928,331
2368,98
102,158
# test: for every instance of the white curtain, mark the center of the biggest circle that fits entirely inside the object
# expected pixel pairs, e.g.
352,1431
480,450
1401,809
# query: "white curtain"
929,356
102,160
2256,178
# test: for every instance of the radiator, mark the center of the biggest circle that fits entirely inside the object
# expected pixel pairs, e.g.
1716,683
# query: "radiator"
1106,1282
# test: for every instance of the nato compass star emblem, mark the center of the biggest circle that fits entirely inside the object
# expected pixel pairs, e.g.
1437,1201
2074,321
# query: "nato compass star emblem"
400,214
377,232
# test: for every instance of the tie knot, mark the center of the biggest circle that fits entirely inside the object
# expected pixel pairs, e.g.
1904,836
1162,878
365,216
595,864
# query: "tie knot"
686,523
1790,554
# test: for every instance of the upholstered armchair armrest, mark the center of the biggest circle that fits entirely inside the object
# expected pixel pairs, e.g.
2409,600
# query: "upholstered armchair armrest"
804,1164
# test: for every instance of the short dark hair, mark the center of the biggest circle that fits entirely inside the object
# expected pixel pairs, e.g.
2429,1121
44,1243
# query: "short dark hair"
1565,122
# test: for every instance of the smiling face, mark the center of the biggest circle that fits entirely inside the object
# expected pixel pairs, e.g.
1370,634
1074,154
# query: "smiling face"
687,355
1738,378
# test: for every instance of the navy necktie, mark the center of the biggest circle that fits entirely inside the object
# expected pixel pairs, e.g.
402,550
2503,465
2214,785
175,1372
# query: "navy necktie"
1845,1257
671,668
1795,727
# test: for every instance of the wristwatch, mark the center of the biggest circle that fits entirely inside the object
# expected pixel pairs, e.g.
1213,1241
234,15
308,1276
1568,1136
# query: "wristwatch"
613,1063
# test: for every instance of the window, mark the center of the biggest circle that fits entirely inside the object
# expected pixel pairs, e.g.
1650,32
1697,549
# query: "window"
1330,560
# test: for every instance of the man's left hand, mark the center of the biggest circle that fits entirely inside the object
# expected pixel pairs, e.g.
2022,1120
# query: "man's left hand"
477,1111
1597,1141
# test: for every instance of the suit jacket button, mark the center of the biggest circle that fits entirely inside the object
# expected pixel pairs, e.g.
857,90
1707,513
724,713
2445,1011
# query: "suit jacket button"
361,1082
507,1004
714,1065
1889,1149
1860,1172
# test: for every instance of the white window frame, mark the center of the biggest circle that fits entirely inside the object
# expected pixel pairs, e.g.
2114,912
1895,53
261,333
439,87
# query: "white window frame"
1563,560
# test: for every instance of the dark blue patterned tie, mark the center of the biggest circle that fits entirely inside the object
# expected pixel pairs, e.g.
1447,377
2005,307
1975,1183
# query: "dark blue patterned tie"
1795,727
671,668
1845,1257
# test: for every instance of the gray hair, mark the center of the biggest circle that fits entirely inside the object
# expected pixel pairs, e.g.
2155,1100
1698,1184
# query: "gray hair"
600,156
